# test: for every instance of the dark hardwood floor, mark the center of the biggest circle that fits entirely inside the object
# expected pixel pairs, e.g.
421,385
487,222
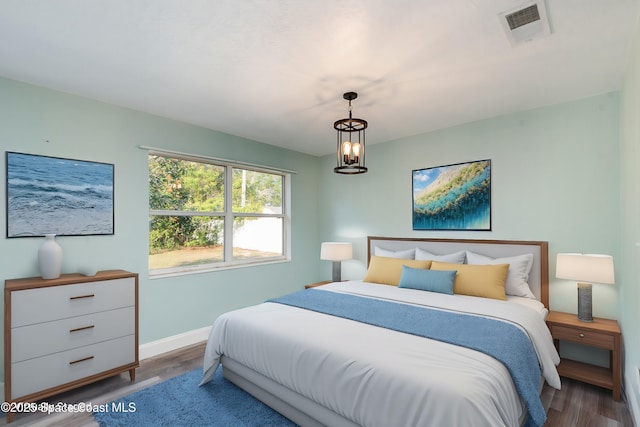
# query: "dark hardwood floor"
577,404
583,405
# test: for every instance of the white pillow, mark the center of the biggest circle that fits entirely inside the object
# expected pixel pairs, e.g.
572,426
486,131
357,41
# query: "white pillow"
454,258
406,254
518,276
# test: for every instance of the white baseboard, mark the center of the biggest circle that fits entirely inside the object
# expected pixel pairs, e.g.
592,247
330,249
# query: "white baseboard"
633,400
174,342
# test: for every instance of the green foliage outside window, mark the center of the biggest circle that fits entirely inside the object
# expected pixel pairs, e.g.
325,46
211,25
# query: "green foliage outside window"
193,187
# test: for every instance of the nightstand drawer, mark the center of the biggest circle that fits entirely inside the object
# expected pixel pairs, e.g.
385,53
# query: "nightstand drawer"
582,336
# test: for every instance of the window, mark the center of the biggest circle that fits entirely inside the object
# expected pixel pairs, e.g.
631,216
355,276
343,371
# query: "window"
209,214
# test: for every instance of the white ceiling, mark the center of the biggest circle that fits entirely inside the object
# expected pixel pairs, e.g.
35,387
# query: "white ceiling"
275,70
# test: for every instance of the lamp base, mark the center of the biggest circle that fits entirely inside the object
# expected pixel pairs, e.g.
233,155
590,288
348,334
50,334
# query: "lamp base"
584,302
336,274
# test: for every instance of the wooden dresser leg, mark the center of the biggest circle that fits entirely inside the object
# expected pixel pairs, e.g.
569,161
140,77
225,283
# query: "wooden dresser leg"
132,374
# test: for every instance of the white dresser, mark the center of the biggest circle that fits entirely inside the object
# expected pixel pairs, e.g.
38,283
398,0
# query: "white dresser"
63,333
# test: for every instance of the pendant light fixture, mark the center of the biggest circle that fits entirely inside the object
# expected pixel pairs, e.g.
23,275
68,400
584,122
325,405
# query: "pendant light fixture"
351,141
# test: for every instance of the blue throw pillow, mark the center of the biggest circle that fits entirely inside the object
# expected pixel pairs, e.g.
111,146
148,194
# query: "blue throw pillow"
428,280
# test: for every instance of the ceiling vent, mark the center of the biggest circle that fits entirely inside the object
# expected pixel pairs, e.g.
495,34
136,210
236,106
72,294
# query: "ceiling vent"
526,23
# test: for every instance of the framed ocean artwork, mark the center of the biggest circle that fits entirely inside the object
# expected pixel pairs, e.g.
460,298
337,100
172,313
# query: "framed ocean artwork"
453,197
52,195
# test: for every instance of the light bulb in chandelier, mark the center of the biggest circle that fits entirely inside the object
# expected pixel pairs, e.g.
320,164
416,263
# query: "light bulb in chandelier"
355,148
346,151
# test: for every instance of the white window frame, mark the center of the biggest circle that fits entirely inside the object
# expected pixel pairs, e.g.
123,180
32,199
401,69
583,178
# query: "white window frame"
229,216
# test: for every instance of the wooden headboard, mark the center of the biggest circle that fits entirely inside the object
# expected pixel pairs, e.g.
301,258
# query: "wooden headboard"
538,278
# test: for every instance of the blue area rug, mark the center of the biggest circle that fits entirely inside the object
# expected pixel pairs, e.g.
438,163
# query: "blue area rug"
181,402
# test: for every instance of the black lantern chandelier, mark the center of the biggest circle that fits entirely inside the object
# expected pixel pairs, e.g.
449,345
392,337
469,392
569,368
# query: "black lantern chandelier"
351,141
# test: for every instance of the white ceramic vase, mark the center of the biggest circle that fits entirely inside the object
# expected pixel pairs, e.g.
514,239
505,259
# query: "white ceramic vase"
50,257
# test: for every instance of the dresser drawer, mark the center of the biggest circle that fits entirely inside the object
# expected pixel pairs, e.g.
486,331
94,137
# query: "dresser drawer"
28,342
39,305
42,373
595,339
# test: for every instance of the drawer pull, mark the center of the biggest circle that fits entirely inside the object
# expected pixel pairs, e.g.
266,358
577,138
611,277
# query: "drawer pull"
83,296
82,329
84,359
581,335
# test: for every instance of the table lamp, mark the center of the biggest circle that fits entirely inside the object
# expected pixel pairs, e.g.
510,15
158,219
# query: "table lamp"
336,252
586,269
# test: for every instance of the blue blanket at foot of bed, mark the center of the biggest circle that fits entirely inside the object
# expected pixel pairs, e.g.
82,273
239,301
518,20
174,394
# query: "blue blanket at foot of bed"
503,341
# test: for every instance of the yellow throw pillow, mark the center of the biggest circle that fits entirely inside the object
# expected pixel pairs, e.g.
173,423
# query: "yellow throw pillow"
388,270
485,281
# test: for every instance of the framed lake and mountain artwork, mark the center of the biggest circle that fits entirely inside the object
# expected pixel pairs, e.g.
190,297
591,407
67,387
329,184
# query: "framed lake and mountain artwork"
453,197
52,195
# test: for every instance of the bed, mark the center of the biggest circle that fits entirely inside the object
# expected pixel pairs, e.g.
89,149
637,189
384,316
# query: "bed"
325,356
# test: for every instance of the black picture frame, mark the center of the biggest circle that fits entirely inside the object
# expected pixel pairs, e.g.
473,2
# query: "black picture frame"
452,197
55,195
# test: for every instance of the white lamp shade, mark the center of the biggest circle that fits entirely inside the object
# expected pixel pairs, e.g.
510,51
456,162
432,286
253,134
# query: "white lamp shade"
336,251
592,268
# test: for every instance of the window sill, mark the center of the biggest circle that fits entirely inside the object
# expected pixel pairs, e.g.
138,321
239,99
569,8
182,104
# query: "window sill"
188,271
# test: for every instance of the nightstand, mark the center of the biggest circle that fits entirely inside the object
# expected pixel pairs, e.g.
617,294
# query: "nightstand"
313,285
601,333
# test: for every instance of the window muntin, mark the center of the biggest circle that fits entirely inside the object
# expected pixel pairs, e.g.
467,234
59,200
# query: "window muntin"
190,229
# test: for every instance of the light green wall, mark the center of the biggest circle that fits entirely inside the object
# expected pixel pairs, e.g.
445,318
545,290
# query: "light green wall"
630,243
555,177
40,121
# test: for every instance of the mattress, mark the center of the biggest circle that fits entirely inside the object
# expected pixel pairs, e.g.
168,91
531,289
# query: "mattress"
375,376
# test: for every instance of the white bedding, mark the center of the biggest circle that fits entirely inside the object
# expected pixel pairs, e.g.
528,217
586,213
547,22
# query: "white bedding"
378,377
